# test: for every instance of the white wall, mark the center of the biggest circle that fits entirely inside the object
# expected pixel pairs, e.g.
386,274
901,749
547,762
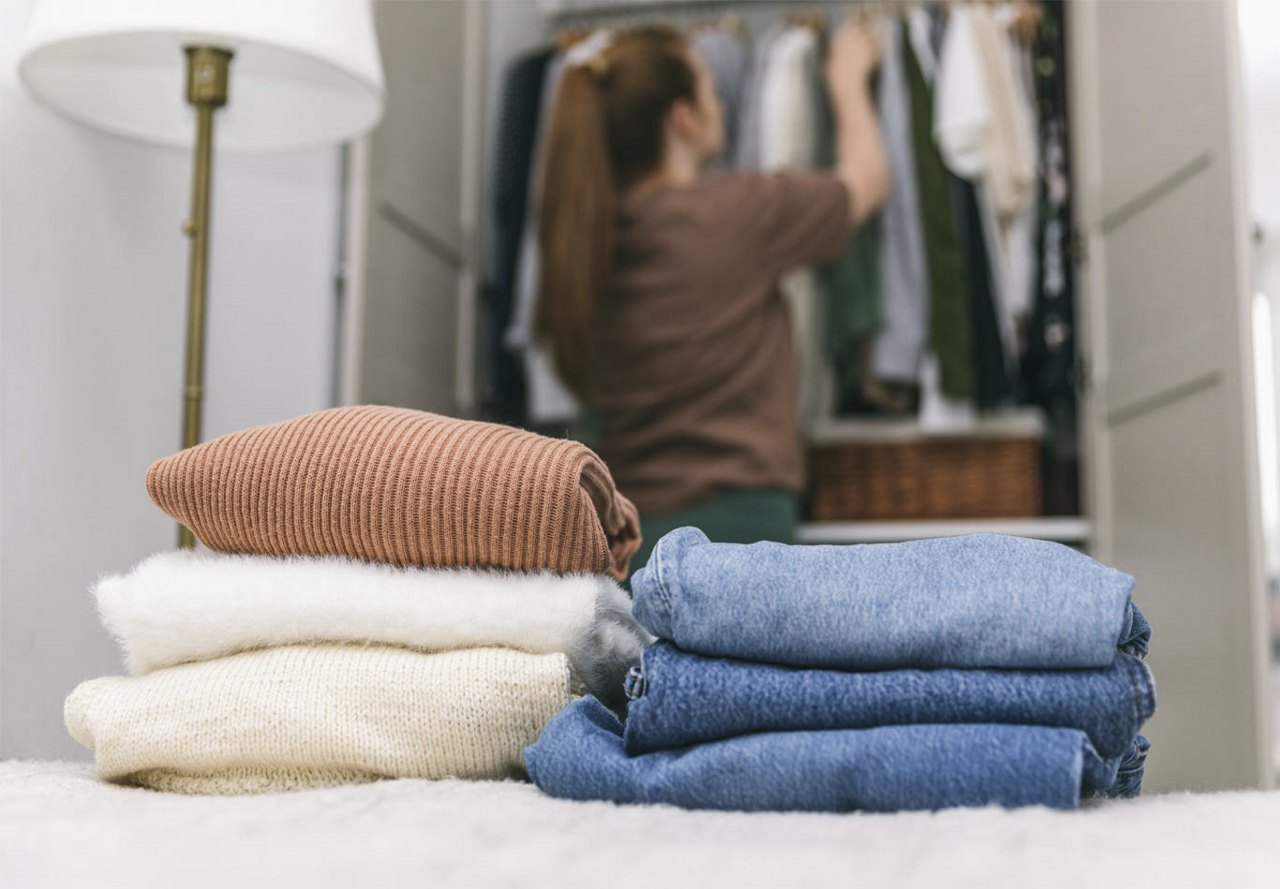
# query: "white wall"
92,315
1260,48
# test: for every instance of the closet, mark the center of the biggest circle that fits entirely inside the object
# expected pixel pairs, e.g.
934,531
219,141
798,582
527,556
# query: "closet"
1168,484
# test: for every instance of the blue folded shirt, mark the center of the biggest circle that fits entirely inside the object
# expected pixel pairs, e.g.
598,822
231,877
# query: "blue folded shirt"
980,601
580,756
681,699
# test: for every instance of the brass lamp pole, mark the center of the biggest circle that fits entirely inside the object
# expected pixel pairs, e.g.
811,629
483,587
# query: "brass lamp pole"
313,65
207,69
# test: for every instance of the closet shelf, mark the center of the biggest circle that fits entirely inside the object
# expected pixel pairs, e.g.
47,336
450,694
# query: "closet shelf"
1064,529
1021,423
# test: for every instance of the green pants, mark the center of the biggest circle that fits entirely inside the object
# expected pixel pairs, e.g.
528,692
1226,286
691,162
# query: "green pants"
732,515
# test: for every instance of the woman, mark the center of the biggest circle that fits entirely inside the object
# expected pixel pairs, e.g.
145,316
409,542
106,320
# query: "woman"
658,289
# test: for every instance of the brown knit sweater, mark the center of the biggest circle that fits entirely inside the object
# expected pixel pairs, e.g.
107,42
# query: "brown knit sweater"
402,487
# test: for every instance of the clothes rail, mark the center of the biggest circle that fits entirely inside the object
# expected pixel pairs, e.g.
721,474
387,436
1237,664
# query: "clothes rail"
566,9
613,13
576,11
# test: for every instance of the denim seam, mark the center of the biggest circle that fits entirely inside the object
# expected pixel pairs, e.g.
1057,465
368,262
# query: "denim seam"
659,560
1135,706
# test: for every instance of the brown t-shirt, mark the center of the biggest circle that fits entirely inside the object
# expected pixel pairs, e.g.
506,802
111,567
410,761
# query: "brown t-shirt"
695,368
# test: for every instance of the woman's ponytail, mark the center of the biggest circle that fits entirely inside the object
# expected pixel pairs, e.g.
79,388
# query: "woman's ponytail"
577,211
607,132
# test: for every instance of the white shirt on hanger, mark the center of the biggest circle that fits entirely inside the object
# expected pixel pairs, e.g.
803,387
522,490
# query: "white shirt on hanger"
901,341
985,128
1020,240
788,141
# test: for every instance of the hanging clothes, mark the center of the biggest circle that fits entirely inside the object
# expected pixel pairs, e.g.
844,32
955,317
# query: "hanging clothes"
852,288
1049,366
898,348
726,56
548,401
790,121
1049,369
747,151
994,387
1020,229
938,411
787,124
950,313
978,123
513,148
1011,168
984,124
890,317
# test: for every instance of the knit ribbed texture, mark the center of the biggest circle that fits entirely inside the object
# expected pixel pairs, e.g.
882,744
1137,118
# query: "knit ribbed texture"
303,716
402,487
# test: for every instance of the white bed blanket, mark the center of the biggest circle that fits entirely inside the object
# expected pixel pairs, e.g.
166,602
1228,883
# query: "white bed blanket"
59,826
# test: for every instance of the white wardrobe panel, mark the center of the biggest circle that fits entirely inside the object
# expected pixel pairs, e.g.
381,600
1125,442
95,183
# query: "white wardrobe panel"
410,315
1156,104
1165,349
1170,414
417,149
409,326
1174,531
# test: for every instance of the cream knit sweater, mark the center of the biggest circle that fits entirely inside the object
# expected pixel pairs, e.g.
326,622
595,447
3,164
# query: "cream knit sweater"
307,716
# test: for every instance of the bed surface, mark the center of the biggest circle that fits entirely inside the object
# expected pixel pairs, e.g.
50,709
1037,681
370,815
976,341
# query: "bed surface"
60,826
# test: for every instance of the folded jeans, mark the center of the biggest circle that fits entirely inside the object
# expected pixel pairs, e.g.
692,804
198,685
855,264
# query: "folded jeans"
580,756
980,601
681,699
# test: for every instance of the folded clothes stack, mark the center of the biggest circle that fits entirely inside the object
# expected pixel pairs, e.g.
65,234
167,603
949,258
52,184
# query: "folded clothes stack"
964,671
393,594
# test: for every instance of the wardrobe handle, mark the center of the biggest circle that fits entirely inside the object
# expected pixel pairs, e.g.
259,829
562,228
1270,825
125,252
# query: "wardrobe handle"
434,244
1078,248
1081,379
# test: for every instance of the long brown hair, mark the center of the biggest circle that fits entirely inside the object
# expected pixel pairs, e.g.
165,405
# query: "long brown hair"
607,132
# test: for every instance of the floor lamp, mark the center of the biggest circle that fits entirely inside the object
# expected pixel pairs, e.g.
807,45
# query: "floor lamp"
286,74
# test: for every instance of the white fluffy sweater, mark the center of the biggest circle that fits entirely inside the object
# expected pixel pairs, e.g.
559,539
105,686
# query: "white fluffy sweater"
305,716
183,606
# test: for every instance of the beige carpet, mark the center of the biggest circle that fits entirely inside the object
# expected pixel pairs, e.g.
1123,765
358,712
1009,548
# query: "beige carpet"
60,827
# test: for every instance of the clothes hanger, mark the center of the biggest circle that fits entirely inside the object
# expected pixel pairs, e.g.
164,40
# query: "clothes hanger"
733,24
865,13
814,21
1026,22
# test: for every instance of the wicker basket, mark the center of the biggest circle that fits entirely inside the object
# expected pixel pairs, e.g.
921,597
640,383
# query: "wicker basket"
887,471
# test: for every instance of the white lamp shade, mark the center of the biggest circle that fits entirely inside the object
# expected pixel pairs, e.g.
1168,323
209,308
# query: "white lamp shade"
304,73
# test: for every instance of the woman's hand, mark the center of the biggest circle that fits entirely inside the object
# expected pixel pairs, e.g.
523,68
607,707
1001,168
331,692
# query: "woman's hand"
862,163
854,56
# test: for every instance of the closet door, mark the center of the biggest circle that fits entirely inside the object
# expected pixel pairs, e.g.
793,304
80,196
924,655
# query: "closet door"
1173,455
409,323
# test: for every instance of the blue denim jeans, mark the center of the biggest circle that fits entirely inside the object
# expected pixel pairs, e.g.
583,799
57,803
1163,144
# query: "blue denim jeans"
580,756
979,601
680,699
